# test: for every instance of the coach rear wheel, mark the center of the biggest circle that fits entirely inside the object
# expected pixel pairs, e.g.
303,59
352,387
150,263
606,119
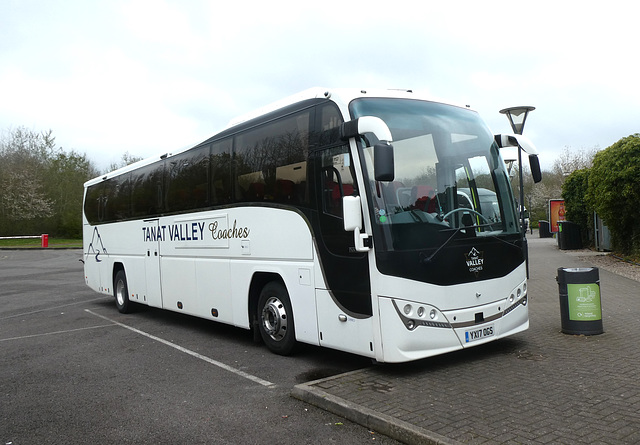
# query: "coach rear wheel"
121,292
275,319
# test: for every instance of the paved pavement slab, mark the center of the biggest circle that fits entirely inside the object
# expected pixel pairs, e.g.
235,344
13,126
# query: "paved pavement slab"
537,387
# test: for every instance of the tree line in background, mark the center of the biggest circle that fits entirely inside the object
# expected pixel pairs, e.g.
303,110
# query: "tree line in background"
41,188
537,196
41,185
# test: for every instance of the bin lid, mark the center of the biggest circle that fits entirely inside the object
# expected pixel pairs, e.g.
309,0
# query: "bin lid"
577,269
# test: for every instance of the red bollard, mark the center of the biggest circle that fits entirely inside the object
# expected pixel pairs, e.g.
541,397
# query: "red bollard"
45,240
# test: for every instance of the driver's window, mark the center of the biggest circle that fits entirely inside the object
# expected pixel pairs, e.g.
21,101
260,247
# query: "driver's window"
337,178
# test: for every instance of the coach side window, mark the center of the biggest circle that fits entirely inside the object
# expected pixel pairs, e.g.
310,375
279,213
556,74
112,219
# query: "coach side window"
330,121
188,180
221,172
271,161
337,178
93,203
117,194
146,191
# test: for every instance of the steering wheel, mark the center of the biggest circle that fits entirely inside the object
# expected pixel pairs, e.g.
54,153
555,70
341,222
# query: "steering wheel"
464,209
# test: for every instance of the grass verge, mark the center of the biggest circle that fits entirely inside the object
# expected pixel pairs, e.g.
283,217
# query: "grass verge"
37,242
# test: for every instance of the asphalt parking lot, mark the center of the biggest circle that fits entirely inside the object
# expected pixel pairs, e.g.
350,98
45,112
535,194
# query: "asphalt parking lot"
73,370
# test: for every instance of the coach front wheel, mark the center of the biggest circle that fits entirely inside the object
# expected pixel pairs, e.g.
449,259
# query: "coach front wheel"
275,319
121,292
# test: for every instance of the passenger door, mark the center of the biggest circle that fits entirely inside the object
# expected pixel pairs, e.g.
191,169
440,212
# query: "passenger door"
346,270
152,265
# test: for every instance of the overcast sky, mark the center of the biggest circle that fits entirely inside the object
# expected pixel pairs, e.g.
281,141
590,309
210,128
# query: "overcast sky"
151,76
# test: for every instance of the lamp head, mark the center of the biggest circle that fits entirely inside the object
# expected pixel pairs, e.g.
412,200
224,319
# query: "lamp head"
517,117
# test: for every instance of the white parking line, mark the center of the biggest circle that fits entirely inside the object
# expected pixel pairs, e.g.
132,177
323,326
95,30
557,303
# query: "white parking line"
190,352
55,333
52,308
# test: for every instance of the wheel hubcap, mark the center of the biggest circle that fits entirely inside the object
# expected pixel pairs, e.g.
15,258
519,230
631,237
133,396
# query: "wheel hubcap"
274,319
120,293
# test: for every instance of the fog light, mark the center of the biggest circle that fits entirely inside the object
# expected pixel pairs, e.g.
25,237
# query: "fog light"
407,309
411,324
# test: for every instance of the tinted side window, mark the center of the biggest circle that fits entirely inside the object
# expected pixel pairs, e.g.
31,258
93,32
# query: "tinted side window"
221,172
271,161
188,180
146,191
117,198
93,204
337,178
330,121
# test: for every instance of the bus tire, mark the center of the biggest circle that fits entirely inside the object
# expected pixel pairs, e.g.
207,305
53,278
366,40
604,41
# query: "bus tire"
275,319
121,292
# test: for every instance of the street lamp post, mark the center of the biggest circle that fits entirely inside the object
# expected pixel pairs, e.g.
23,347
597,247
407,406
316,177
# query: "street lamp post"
517,117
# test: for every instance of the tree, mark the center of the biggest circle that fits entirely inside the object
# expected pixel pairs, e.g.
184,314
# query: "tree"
23,156
537,196
23,196
614,192
67,172
576,205
124,161
571,160
41,186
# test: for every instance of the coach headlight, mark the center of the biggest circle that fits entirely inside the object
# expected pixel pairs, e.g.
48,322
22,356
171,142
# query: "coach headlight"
517,297
416,315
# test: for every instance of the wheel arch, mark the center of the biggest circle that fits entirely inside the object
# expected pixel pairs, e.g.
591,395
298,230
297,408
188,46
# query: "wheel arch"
258,281
117,267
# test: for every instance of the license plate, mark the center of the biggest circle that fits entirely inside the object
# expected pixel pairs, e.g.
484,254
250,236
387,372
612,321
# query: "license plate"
479,333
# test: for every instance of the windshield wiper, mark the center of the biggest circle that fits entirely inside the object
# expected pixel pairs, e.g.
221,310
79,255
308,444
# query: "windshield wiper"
428,259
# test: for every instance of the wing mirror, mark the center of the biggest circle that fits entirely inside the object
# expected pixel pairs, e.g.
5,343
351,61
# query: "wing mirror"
383,159
524,144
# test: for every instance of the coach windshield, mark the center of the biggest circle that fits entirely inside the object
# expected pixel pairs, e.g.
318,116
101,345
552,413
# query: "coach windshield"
450,182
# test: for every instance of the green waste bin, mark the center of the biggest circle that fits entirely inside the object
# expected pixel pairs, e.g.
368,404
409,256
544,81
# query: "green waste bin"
580,306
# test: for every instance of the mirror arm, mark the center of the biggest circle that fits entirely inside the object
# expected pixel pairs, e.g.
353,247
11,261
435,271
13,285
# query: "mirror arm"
365,124
362,241
516,140
352,215
524,144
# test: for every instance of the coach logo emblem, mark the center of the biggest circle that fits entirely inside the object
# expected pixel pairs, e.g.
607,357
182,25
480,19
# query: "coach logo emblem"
475,261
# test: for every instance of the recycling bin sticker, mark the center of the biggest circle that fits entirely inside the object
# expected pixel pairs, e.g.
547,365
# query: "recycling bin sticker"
584,302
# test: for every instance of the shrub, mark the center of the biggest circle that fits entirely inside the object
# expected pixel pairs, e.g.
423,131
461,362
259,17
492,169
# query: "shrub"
578,209
614,192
